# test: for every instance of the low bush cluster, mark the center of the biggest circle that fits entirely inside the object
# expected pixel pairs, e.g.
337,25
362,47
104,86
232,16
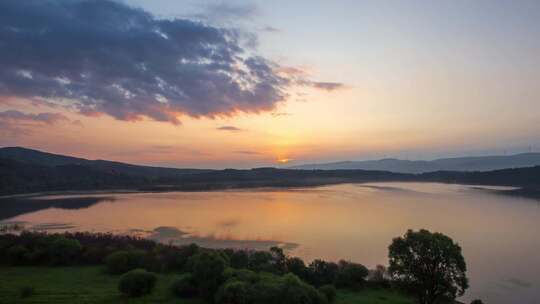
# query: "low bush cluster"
123,261
248,287
120,253
31,249
184,286
26,291
219,276
137,282
329,291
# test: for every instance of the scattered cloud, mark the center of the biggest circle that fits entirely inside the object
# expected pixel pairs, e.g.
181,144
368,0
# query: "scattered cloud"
10,131
77,123
328,86
228,223
291,71
228,11
270,29
518,283
278,114
247,152
15,123
229,128
161,150
301,77
131,65
46,118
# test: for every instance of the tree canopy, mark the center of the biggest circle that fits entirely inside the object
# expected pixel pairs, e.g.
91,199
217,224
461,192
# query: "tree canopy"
430,265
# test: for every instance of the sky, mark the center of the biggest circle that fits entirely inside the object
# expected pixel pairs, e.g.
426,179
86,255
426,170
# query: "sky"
241,84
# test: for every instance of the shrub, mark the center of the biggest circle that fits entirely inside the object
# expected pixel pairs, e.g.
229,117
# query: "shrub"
267,290
4,246
279,260
173,258
151,263
17,255
123,261
295,291
378,277
351,274
261,261
243,275
26,291
297,266
239,259
93,255
64,251
234,292
322,273
38,256
207,270
247,287
184,287
137,282
329,291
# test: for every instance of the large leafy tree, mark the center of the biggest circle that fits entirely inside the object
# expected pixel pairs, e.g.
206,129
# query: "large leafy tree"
428,264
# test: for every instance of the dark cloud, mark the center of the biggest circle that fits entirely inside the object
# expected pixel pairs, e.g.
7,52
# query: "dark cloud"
103,57
229,128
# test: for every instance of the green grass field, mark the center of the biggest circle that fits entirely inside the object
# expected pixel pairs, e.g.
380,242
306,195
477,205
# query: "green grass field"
372,296
89,284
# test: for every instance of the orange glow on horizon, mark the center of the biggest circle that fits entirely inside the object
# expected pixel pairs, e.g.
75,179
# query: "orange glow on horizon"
283,160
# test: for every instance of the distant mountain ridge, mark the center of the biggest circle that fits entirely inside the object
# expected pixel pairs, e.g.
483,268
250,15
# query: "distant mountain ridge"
31,171
464,164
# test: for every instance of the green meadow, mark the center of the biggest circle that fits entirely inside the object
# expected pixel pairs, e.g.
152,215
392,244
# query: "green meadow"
91,284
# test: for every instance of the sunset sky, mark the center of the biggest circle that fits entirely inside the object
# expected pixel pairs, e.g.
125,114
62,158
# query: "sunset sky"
217,84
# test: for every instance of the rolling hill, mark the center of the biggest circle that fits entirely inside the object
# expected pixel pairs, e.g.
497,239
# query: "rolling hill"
40,158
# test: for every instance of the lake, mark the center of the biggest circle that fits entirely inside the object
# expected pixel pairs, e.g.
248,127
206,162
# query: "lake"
499,234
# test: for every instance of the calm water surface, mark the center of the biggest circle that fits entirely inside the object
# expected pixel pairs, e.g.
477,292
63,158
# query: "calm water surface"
500,235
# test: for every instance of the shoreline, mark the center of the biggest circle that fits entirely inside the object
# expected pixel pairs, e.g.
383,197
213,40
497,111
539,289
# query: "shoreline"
525,192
